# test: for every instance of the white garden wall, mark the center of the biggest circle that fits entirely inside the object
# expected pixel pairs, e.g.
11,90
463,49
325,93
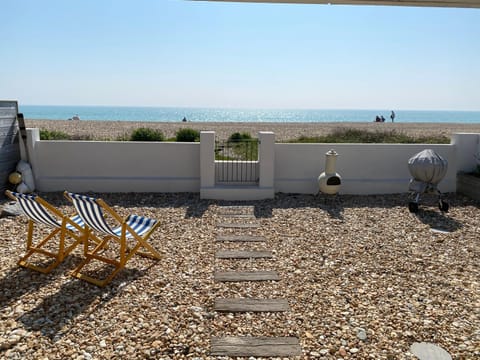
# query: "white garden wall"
115,166
97,166
364,168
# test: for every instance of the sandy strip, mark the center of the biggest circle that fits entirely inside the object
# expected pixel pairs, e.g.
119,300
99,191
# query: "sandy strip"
111,130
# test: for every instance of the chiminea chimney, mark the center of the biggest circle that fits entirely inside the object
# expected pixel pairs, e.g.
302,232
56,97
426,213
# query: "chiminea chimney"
329,181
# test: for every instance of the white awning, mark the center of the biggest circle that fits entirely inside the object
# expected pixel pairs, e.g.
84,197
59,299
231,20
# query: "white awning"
427,3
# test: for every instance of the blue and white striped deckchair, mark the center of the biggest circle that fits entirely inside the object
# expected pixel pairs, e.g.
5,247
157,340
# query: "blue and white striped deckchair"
41,212
135,228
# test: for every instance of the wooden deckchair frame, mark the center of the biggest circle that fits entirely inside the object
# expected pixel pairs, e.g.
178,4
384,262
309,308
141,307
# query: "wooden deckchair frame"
125,253
38,248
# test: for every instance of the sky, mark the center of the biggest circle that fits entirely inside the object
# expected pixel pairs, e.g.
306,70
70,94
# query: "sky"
180,53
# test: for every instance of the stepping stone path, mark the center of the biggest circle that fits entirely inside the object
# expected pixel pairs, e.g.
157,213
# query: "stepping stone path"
248,345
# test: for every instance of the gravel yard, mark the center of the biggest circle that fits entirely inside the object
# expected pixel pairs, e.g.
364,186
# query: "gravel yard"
364,278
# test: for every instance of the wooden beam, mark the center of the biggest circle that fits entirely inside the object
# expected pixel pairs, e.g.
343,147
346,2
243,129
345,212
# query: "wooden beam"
238,226
234,276
255,346
243,254
251,305
239,216
240,238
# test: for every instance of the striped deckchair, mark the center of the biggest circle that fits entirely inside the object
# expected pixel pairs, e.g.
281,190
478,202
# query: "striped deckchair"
133,228
42,213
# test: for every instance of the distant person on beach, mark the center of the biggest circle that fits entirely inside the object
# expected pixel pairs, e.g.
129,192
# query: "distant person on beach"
382,118
184,119
377,119
392,115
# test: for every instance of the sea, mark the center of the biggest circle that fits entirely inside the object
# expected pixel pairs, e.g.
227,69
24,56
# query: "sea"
175,114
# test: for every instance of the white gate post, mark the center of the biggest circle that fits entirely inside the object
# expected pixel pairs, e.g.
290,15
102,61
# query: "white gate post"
467,146
207,160
266,158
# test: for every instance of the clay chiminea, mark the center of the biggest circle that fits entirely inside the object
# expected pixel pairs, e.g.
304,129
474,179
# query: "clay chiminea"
329,181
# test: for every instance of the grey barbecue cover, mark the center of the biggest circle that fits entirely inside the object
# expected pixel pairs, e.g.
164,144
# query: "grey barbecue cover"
427,166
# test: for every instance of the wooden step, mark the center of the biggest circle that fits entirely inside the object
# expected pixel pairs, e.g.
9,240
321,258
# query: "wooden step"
236,210
251,305
238,226
237,207
240,238
239,216
235,213
243,254
234,276
255,346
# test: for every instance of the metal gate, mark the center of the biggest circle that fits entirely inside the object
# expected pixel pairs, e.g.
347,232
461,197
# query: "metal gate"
236,162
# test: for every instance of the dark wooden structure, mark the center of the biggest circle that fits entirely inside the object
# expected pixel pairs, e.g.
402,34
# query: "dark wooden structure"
9,142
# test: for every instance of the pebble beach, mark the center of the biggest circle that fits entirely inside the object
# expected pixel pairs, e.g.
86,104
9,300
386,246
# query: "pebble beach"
364,277
111,130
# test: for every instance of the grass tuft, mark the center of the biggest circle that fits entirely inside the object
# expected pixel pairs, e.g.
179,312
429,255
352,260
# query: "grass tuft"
368,137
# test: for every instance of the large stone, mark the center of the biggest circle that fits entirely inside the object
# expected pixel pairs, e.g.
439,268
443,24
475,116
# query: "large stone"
11,209
429,351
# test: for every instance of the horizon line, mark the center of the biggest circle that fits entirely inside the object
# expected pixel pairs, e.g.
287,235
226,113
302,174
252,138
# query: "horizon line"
250,108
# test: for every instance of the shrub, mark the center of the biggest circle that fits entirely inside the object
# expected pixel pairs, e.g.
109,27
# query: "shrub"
236,137
187,135
84,137
239,146
53,135
146,134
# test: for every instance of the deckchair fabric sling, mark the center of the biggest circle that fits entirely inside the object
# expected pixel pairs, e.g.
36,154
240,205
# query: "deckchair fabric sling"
93,215
91,212
135,227
41,212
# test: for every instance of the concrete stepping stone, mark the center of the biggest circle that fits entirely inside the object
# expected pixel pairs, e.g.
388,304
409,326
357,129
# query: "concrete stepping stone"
429,351
236,276
237,226
251,305
243,254
255,346
240,238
